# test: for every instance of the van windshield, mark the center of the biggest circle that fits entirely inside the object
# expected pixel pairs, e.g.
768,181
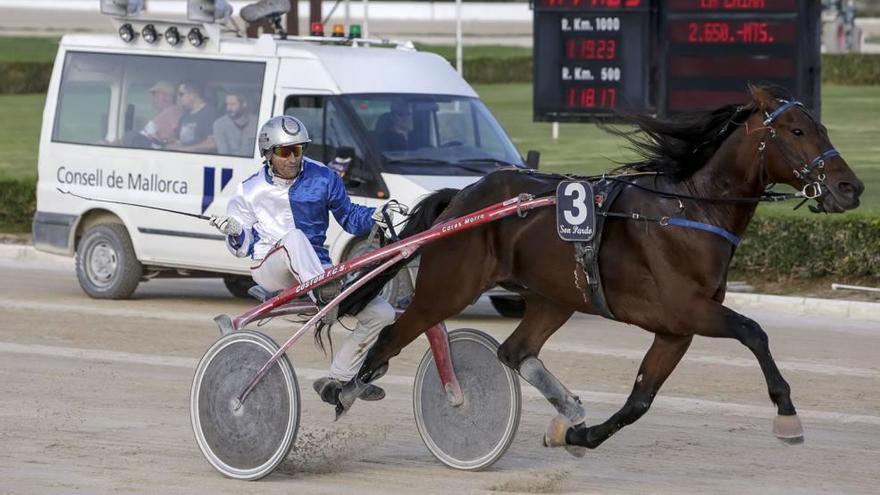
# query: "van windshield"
418,133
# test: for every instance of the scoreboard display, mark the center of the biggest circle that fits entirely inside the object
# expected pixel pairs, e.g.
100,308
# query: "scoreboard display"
596,57
590,57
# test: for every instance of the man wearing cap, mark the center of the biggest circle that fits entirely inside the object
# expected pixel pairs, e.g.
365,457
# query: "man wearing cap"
279,218
163,127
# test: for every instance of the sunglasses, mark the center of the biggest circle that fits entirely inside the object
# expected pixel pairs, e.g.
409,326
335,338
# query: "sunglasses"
284,151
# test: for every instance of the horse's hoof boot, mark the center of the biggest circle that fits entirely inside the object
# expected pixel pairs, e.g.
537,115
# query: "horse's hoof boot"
555,434
788,429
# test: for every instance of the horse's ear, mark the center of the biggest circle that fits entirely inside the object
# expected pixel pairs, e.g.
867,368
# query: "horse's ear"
763,99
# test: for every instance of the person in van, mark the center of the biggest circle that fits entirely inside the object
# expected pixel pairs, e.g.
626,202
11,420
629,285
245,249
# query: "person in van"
162,128
196,128
393,128
279,217
236,132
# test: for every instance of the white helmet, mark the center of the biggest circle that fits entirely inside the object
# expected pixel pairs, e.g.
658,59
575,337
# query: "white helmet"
282,130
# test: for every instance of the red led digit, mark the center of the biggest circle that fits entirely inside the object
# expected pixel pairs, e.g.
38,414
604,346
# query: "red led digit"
590,49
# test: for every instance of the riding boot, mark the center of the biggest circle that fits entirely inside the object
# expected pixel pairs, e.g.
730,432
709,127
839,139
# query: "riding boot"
328,389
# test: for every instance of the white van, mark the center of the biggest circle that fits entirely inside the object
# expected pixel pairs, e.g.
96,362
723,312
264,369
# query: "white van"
110,131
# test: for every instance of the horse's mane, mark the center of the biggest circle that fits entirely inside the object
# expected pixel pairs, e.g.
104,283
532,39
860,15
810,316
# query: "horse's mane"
681,144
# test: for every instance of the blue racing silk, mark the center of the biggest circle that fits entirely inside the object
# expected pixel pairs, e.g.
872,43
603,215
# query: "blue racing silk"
268,208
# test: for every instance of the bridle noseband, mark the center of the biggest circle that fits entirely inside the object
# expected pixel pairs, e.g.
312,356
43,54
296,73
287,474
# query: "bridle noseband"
813,188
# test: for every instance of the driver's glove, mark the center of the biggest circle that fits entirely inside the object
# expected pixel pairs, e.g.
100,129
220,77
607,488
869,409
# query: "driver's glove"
226,224
379,218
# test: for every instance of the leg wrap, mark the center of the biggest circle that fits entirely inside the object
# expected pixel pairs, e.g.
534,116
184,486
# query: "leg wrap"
569,405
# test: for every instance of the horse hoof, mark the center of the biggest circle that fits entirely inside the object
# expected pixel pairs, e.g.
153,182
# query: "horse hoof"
555,434
788,429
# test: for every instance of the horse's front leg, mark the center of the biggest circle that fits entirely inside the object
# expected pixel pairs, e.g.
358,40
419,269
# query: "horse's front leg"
658,363
726,323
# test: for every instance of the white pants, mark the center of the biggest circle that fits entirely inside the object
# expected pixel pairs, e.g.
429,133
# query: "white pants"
293,260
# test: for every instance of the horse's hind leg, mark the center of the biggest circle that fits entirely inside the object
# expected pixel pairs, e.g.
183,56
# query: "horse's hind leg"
658,363
520,352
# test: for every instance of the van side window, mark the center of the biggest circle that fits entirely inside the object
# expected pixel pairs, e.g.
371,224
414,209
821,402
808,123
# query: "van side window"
333,140
310,111
157,102
328,127
82,112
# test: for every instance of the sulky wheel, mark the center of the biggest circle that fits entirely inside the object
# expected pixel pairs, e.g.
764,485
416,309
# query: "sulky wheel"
475,434
249,441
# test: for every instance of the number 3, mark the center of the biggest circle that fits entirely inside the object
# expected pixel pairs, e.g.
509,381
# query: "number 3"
578,203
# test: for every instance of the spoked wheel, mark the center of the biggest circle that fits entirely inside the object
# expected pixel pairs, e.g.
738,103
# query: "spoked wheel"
244,441
475,434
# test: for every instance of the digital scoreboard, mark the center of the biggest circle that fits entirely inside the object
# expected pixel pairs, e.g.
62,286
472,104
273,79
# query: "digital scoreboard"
713,48
590,57
595,57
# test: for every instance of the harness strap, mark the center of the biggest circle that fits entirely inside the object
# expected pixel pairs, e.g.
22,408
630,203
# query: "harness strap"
822,157
587,253
691,224
781,110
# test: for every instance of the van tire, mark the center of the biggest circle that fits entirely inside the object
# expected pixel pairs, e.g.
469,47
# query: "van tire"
106,265
398,290
238,285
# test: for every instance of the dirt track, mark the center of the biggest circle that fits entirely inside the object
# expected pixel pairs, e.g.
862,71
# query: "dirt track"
94,399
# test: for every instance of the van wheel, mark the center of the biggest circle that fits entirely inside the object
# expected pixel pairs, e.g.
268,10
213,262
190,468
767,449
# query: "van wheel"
238,285
398,290
509,306
106,265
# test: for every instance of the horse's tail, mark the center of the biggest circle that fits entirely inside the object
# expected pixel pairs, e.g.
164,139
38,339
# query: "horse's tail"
420,219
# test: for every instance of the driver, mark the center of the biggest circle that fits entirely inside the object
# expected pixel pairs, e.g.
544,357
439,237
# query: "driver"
279,217
395,127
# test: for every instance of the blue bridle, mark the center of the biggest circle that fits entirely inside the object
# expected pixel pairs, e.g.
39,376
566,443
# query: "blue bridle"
817,163
812,189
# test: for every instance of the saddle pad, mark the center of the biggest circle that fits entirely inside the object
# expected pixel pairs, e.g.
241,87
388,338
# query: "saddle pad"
575,211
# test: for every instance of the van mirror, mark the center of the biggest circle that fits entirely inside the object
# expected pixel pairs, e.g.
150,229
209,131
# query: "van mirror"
532,159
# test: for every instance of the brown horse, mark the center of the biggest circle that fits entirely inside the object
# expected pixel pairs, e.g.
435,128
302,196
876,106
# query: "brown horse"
670,280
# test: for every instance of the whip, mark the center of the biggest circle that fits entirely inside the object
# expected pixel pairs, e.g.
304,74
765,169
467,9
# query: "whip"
202,217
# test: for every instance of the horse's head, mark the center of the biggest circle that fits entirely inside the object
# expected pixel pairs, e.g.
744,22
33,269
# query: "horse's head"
796,150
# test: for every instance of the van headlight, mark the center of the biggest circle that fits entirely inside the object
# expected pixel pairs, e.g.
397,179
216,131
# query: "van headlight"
195,37
148,33
172,36
126,33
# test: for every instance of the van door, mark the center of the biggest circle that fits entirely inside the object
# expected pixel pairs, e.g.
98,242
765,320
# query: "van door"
167,131
336,144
